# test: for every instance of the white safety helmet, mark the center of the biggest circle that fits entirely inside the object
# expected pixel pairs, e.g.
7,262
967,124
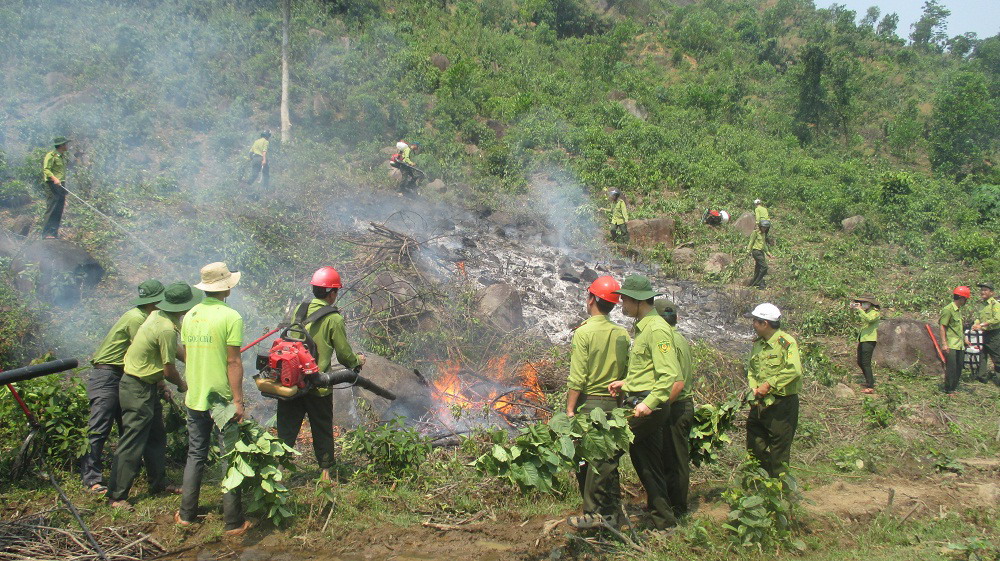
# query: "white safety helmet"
766,311
724,215
756,201
401,145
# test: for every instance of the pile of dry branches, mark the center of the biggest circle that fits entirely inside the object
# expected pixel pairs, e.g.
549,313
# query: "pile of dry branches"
34,537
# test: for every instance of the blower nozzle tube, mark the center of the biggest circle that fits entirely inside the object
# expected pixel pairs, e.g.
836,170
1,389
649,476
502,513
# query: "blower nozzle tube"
327,379
36,370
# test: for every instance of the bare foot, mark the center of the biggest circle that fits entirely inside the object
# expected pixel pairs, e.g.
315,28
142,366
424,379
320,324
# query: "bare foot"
241,530
122,505
180,521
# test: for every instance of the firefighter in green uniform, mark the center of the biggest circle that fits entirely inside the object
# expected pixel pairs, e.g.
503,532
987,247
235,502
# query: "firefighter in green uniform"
258,160
757,246
619,217
676,434
151,358
870,316
774,372
599,357
953,339
53,174
102,382
988,321
653,371
331,342
760,211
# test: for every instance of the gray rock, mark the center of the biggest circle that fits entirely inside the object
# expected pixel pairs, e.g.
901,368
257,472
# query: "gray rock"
903,343
440,61
647,233
717,262
852,223
683,256
746,223
58,270
842,391
588,275
636,110
500,304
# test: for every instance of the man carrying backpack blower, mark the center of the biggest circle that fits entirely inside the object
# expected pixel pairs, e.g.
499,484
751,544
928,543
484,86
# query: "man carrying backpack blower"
326,327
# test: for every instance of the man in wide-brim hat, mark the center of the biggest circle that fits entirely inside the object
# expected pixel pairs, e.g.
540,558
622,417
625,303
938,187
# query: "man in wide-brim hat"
870,316
53,174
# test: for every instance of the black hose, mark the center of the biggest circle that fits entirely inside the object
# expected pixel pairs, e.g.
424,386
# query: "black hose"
327,379
36,370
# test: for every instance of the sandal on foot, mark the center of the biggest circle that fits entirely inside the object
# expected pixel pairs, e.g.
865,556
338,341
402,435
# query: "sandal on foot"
97,489
586,521
241,530
868,390
122,505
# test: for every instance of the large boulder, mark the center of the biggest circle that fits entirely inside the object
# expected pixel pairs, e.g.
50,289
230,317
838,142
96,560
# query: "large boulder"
636,110
852,223
413,395
745,224
500,305
440,61
903,343
683,256
717,262
57,270
653,231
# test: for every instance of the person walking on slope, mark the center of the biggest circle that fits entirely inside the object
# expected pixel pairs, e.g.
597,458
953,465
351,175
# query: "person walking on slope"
619,218
953,339
760,211
102,383
212,333
258,160
150,359
774,372
599,357
757,247
869,313
53,174
653,374
676,433
988,321
326,327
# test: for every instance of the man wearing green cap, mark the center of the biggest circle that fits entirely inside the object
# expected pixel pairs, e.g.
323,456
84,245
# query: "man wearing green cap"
653,369
676,433
53,174
988,321
150,359
102,382
212,334
774,373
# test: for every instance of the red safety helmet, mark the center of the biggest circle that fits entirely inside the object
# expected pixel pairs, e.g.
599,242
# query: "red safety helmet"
963,291
604,288
326,277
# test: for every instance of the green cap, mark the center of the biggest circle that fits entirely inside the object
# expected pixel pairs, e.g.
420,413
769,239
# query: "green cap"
150,292
664,306
637,287
987,285
59,140
180,297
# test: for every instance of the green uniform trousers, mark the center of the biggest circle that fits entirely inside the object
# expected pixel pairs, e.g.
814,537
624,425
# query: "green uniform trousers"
201,430
319,409
954,361
770,431
619,233
759,268
143,439
599,483
677,454
990,351
54,204
646,452
865,351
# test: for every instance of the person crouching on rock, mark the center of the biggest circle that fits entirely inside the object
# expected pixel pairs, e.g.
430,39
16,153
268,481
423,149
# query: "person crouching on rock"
330,336
599,357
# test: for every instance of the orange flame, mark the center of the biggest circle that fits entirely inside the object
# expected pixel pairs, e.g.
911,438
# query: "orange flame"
455,390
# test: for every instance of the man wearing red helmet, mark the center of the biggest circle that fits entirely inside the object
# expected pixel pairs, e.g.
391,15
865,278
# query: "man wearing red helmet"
953,339
599,357
331,339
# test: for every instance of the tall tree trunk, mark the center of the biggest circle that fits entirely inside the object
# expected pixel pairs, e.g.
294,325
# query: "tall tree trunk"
286,124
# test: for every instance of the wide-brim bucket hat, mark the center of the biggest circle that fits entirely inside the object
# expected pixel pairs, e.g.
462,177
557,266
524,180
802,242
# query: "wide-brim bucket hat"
216,277
637,287
179,297
868,298
150,292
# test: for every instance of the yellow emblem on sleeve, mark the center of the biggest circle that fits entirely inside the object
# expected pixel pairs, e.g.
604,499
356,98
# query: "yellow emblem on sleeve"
664,346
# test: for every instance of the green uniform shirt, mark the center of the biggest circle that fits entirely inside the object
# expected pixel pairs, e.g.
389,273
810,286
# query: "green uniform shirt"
155,344
619,213
54,165
208,329
406,156
330,337
757,241
761,213
776,361
989,315
599,357
259,146
652,363
687,365
951,319
116,342
869,327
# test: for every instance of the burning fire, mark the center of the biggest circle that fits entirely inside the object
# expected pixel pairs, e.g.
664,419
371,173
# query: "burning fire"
514,394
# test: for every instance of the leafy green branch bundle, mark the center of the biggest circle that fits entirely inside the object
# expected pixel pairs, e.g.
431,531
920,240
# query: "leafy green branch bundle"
710,427
393,449
256,459
543,450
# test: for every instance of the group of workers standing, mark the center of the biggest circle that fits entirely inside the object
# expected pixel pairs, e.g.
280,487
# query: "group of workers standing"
654,376
194,325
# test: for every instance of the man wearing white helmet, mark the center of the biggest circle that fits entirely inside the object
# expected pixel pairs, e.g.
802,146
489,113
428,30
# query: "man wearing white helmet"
774,372
405,165
760,211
